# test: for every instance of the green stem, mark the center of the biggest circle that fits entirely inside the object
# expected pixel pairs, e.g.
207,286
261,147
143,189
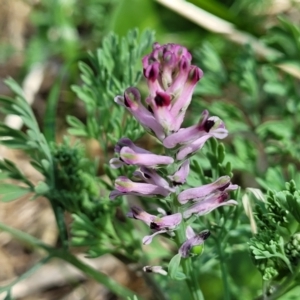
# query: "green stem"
223,270
192,279
190,272
112,285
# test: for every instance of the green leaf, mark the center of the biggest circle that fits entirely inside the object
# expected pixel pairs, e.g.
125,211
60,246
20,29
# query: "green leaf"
10,192
180,276
174,266
77,127
10,170
42,188
50,114
13,85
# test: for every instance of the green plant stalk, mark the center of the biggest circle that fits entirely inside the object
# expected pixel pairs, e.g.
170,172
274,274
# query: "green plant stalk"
62,229
223,270
70,258
192,280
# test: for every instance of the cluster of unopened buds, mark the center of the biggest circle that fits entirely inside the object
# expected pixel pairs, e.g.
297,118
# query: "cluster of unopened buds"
171,80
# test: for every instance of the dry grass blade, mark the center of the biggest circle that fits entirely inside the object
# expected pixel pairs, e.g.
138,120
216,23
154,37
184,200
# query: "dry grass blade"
227,29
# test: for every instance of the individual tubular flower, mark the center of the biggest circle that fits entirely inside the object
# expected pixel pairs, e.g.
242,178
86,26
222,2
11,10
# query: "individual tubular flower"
193,138
223,184
132,101
194,243
155,269
180,176
130,154
152,177
158,225
160,106
171,80
126,142
125,186
209,204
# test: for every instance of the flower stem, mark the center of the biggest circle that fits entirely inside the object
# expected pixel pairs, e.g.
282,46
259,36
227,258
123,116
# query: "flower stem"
223,270
192,280
190,272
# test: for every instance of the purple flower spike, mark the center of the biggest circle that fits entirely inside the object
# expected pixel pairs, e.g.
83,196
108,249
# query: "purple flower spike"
198,193
125,186
180,176
132,101
189,247
207,205
165,224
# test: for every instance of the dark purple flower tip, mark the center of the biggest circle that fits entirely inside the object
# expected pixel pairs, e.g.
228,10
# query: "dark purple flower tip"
152,71
224,187
135,212
223,197
195,74
184,64
132,97
162,99
208,125
194,243
204,234
203,118
126,142
123,142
